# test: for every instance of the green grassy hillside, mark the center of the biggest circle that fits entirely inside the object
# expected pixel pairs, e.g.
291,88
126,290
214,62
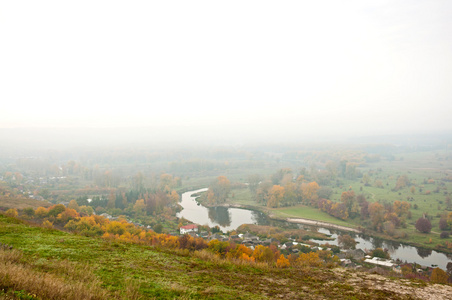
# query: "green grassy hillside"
51,264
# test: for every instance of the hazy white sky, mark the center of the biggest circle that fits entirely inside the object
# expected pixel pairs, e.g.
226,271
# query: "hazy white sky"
290,66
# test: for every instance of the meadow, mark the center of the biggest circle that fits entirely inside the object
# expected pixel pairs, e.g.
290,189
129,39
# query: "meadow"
51,264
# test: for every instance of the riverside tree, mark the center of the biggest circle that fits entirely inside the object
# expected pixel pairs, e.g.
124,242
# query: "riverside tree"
219,190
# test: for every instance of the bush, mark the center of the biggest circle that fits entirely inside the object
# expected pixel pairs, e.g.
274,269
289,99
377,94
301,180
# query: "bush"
439,276
47,224
12,212
29,211
55,210
423,225
378,252
444,235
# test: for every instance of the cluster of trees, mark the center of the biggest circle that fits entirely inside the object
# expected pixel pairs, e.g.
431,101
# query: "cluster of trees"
283,190
380,217
139,201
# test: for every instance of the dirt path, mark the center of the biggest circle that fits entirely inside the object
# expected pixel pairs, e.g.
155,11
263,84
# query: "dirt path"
320,224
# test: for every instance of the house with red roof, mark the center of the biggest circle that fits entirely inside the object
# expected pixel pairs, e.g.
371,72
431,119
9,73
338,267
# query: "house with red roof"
189,228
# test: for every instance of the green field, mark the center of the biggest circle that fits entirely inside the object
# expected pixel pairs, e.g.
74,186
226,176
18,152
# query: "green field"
50,264
307,212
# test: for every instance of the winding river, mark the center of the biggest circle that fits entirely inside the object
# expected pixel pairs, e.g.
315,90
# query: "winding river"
231,218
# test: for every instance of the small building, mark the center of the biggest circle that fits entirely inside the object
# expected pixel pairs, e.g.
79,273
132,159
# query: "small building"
189,228
379,262
249,236
216,236
356,254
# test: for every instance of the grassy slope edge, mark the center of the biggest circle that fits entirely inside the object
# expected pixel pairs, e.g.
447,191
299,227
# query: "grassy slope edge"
51,264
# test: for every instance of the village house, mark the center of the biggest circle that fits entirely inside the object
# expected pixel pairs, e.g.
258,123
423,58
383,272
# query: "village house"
189,228
380,262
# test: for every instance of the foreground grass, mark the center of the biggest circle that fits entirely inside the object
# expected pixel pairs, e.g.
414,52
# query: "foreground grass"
50,264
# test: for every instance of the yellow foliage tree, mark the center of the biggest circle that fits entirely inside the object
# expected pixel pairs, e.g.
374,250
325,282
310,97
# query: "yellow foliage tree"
116,227
139,207
238,252
311,259
276,195
246,257
401,207
309,190
282,262
12,212
47,224
68,214
439,276
174,197
263,254
41,212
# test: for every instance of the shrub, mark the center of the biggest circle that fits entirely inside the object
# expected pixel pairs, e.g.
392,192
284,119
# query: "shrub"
12,212
423,225
444,235
47,224
41,212
263,254
310,259
29,211
439,276
55,210
378,252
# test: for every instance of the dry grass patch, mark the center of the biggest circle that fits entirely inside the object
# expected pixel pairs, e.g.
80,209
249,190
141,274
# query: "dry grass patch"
18,276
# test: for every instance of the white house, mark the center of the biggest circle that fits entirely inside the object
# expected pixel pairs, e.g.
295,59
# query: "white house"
189,228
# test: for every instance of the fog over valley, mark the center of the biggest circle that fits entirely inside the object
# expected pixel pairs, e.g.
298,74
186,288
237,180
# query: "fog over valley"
225,149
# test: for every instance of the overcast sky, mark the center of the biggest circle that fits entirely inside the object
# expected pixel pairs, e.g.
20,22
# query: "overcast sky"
323,67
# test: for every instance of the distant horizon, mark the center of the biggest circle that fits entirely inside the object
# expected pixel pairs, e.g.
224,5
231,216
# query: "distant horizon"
257,69
52,138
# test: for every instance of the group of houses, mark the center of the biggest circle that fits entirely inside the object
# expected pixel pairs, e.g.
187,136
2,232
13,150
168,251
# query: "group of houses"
246,239
352,258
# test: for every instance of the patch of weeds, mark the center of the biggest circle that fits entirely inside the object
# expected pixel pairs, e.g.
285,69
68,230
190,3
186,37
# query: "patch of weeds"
342,286
23,295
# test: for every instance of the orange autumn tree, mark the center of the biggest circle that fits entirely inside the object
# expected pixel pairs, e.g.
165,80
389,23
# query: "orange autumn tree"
282,262
439,276
309,191
276,196
263,254
239,252
66,215
311,259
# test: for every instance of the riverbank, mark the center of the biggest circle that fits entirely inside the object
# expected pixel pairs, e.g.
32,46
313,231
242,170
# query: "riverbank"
321,224
311,220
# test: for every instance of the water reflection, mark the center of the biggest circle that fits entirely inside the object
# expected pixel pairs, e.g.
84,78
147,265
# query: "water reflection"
424,252
260,218
377,243
220,215
227,219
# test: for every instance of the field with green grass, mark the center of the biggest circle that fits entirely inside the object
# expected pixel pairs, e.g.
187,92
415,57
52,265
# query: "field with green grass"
307,212
51,264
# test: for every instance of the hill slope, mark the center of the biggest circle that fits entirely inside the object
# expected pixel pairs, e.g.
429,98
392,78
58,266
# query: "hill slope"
51,264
